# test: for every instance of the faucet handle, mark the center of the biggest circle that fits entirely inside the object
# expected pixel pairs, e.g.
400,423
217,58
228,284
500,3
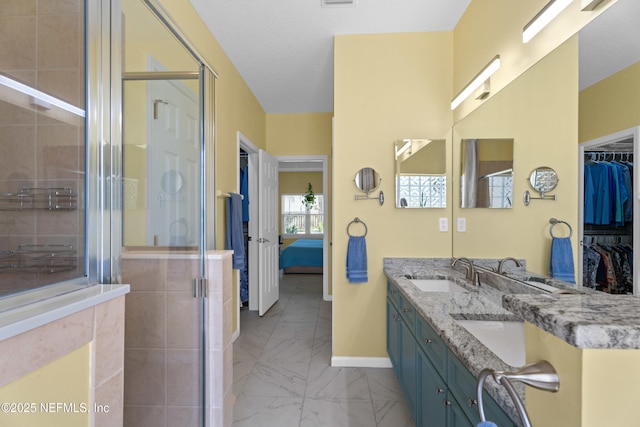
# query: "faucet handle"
476,278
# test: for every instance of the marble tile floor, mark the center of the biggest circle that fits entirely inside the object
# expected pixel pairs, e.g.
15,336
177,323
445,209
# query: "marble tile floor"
282,372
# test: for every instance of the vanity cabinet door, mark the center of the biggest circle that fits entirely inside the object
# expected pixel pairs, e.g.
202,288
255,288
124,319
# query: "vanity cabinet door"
408,366
463,386
393,336
433,346
431,409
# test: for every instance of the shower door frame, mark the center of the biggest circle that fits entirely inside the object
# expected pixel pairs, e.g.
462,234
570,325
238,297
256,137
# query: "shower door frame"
113,163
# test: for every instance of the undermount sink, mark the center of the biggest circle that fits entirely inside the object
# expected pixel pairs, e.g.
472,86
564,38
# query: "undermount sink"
437,285
504,338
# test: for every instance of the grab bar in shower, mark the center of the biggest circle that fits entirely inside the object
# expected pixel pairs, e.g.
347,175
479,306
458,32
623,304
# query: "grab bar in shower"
541,375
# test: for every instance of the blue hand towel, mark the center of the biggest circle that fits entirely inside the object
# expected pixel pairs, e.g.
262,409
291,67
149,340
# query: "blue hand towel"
234,238
561,260
487,424
357,259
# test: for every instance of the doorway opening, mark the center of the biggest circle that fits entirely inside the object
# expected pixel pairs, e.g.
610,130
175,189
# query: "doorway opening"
609,221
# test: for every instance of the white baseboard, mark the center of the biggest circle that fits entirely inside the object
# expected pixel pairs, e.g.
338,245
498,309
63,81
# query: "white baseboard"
361,362
235,335
327,298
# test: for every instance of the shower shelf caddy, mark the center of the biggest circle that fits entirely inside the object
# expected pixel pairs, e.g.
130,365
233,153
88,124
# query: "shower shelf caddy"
39,259
53,199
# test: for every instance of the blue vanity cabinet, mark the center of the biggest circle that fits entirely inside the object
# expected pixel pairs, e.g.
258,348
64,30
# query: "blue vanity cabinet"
431,410
393,335
463,388
438,388
401,343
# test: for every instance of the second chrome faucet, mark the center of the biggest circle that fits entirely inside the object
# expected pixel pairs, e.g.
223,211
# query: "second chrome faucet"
472,275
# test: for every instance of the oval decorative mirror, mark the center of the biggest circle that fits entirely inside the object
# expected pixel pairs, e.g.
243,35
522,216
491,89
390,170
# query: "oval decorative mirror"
171,182
543,179
367,180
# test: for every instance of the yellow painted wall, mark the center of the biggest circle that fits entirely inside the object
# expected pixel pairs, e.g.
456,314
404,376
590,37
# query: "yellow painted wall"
597,386
539,111
56,395
297,182
611,105
491,27
303,135
386,87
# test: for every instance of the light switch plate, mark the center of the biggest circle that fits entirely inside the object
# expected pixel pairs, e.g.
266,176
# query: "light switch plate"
461,225
443,224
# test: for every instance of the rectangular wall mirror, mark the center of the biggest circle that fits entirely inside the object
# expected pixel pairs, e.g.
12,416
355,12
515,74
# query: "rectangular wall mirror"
420,173
486,179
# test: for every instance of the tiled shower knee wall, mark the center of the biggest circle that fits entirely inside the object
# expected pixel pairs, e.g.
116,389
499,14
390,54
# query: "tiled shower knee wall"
162,341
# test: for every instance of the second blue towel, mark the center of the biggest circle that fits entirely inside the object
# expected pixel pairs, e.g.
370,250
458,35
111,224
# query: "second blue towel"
357,259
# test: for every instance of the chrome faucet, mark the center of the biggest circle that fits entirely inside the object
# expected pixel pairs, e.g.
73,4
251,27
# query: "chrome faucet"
472,275
503,260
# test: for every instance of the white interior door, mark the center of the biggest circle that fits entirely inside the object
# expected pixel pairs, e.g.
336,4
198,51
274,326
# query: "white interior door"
173,149
268,247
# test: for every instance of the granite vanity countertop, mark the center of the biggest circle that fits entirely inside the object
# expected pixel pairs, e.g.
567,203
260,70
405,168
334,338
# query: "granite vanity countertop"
443,309
594,320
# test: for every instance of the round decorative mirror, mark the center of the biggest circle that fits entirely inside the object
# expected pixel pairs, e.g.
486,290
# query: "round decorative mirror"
367,180
171,182
543,179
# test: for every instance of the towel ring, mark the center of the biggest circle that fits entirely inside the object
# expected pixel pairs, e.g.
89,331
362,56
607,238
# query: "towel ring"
357,220
555,222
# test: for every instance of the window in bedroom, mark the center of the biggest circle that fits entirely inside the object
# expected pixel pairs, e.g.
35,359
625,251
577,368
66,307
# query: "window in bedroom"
300,221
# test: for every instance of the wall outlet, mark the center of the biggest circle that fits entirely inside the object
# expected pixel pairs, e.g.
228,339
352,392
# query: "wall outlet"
461,225
443,224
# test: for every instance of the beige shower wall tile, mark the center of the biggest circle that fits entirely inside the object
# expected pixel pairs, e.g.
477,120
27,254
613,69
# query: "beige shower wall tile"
49,7
183,318
110,396
109,340
17,7
58,152
16,223
183,371
146,322
63,84
144,274
17,152
63,222
31,350
59,38
17,43
184,416
145,416
12,115
145,373
181,272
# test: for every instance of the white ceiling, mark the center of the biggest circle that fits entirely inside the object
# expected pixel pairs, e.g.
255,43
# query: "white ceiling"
610,43
283,49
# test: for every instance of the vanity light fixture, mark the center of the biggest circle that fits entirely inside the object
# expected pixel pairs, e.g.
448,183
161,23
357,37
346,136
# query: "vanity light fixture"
543,18
588,5
477,81
405,147
39,99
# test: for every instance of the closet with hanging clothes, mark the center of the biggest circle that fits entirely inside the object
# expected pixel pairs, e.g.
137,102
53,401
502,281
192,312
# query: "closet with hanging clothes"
609,213
243,180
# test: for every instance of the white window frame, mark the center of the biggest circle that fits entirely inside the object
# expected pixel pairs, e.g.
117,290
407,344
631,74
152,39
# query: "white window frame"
307,220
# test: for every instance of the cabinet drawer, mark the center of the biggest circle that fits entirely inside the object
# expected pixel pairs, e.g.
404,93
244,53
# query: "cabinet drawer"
393,293
408,312
433,346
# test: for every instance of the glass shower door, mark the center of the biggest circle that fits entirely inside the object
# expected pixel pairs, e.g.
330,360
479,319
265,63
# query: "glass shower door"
162,221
